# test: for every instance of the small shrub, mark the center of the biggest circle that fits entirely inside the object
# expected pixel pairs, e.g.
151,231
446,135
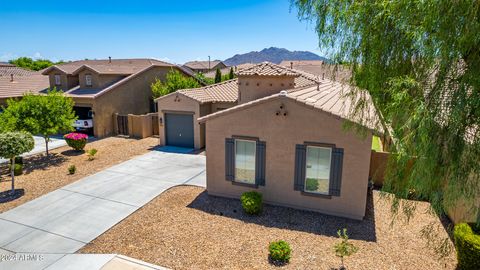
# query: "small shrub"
18,169
76,140
344,248
467,244
311,184
279,252
72,169
252,202
91,154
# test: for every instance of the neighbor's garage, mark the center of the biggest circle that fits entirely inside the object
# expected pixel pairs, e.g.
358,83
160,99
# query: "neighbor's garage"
179,130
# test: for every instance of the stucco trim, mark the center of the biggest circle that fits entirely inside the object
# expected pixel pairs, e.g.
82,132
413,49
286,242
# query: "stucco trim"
178,112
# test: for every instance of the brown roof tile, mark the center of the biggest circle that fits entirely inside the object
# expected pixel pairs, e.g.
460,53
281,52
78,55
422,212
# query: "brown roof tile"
115,66
22,84
267,69
329,96
202,64
16,71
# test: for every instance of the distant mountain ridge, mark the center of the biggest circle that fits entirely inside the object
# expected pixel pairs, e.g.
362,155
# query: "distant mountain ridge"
272,54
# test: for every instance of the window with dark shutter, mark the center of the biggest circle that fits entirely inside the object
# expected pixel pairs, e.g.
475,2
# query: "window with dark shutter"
229,159
336,172
260,162
300,162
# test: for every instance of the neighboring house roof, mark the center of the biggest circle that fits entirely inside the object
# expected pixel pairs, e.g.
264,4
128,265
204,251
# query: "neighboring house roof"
8,70
195,65
20,85
5,64
226,70
319,68
267,69
328,96
113,66
227,91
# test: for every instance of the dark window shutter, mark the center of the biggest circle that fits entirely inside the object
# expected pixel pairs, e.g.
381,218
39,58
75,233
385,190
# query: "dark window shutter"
300,163
336,172
229,159
260,161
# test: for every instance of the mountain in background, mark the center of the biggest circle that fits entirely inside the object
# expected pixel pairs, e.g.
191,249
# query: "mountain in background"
272,54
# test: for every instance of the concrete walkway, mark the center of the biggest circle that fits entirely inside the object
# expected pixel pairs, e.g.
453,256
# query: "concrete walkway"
63,221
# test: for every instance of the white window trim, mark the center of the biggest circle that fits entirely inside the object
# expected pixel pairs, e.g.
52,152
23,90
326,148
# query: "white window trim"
329,172
88,80
244,181
58,79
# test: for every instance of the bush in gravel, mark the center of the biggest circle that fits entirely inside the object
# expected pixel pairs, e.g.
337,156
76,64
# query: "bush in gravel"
467,243
76,140
91,154
344,248
72,169
18,169
279,252
252,202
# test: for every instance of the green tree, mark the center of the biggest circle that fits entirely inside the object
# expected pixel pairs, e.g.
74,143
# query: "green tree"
13,144
44,115
231,75
218,76
174,81
344,248
420,62
29,63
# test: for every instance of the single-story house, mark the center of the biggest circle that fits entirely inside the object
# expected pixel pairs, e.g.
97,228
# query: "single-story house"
204,66
179,111
103,88
15,82
290,144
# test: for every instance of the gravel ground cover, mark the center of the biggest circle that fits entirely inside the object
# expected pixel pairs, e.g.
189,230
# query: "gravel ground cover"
184,228
44,174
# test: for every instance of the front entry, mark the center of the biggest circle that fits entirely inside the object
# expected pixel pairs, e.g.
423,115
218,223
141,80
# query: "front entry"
179,130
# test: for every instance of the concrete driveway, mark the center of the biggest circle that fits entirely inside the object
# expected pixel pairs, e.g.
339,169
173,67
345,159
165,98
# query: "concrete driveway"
63,221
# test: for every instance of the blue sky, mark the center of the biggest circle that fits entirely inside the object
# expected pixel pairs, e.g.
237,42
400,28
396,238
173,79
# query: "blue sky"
176,31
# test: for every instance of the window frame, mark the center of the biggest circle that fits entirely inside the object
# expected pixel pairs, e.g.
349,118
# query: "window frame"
59,81
320,146
245,139
88,80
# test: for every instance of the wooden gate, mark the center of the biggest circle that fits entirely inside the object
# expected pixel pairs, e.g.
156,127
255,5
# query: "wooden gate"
122,125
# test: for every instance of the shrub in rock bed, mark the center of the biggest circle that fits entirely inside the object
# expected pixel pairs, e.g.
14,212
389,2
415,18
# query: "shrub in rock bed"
72,169
279,252
252,202
467,243
76,140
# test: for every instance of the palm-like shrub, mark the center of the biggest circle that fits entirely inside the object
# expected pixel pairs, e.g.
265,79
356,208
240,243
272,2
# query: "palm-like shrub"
76,140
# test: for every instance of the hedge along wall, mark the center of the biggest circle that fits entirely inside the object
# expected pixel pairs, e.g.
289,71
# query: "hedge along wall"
468,247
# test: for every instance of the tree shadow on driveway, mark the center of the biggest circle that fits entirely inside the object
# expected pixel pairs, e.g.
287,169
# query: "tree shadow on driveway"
291,219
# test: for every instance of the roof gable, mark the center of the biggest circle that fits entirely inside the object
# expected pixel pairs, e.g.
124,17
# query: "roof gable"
267,69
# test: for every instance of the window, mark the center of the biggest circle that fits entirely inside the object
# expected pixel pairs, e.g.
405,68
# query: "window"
58,80
245,161
317,179
88,80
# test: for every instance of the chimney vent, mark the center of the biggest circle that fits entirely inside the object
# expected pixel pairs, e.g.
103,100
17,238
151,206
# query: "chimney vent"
11,77
291,65
109,59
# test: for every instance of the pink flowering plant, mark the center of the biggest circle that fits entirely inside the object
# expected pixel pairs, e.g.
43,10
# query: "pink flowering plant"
76,140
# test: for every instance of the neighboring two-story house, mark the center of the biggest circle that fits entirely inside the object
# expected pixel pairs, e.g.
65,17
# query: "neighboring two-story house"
103,88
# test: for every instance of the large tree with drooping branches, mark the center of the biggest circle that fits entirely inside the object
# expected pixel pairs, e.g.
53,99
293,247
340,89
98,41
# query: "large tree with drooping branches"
420,62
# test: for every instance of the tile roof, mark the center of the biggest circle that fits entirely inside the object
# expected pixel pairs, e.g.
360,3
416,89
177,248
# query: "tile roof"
226,70
319,68
34,83
267,69
227,91
8,70
202,64
5,64
114,66
329,96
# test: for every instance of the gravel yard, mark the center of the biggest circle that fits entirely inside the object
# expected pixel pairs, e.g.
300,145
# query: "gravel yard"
184,228
44,174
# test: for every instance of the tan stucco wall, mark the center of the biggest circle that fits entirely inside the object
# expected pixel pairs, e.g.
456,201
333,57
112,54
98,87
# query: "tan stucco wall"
67,81
98,81
179,104
281,134
255,87
131,97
